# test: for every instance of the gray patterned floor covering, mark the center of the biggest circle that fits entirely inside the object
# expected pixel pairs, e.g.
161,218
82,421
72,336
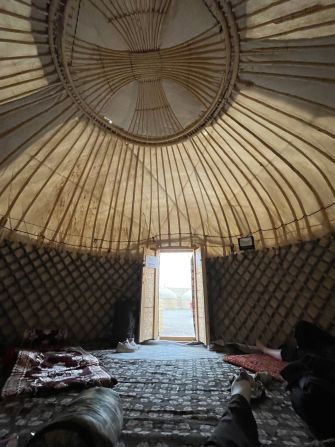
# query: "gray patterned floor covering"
168,350
171,402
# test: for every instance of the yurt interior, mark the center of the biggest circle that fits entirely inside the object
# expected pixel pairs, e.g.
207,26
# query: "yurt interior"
167,209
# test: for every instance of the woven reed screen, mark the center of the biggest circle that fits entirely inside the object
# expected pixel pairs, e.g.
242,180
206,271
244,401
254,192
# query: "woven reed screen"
263,294
46,288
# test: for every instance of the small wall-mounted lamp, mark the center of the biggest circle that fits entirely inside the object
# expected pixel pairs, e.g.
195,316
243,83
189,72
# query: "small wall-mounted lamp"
246,243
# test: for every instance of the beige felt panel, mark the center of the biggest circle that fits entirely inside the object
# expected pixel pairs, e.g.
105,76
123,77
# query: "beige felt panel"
265,166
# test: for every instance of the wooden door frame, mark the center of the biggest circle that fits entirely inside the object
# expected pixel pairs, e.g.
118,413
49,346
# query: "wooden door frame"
156,298
195,297
204,279
179,250
192,250
176,250
205,295
154,328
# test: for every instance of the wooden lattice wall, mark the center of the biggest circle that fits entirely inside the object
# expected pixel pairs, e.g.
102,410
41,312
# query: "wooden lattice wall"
263,294
255,294
48,288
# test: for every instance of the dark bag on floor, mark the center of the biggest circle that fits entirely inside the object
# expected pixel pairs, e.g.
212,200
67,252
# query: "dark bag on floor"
123,322
311,382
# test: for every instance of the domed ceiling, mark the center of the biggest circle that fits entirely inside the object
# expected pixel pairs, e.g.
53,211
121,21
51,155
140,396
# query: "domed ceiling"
172,123
151,72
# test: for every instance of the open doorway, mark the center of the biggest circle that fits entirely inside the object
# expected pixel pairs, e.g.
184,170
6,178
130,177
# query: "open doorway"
185,280
176,316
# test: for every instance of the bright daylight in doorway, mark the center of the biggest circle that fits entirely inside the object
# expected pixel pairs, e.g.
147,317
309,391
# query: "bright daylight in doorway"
175,295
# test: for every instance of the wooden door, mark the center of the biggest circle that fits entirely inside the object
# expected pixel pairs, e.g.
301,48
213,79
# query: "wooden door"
200,297
149,324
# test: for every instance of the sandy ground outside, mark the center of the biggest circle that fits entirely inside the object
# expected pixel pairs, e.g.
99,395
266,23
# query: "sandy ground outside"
176,323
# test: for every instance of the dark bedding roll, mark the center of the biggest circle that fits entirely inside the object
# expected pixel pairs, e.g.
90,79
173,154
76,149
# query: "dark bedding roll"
93,419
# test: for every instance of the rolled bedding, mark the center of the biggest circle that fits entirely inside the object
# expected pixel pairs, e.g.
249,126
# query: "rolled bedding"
94,418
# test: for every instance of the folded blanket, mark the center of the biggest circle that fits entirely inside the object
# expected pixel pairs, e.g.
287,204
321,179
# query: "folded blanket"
94,418
34,372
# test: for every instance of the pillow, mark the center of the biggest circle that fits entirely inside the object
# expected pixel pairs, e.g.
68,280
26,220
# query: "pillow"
45,339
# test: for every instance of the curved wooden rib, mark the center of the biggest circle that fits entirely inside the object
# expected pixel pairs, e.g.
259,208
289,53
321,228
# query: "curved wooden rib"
138,23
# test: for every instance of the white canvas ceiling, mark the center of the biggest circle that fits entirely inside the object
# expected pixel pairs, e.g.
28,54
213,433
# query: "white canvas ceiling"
260,162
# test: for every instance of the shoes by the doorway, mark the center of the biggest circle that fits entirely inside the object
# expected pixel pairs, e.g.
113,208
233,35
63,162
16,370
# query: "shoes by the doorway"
133,344
127,346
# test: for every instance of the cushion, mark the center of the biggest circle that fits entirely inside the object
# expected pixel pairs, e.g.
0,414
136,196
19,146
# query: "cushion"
258,363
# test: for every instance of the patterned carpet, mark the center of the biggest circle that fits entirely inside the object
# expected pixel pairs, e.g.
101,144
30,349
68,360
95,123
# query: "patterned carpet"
170,402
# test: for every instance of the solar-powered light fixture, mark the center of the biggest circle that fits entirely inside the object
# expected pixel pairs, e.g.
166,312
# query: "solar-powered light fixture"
246,243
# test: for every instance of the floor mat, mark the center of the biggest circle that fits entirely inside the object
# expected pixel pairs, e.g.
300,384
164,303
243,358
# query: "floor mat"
167,350
257,363
166,403
179,402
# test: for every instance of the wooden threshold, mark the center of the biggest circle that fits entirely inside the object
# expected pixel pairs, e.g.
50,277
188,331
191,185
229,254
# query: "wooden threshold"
181,339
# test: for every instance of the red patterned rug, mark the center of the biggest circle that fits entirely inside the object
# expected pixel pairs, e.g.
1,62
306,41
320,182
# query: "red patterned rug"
257,363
